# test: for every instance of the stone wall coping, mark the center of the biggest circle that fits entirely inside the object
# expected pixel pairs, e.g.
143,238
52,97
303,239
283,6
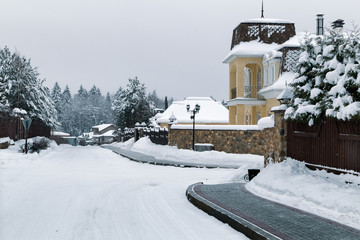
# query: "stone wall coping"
217,127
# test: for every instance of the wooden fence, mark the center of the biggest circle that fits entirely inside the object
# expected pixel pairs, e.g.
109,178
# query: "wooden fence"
329,143
13,128
126,134
157,136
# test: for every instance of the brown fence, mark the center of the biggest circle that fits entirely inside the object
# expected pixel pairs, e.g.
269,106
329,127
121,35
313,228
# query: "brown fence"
329,143
13,128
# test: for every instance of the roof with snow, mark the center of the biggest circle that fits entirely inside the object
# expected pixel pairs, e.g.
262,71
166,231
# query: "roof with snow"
106,134
278,86
256,37
267,20
102,126
210,111
265,30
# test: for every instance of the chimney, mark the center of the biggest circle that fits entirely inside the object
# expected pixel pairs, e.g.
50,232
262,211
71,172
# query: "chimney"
320,24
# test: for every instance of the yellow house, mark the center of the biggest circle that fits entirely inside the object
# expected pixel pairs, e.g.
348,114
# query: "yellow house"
261,61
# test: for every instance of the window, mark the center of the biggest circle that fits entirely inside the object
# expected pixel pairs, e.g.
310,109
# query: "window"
259,79
266,75
258,116
247,82
271,75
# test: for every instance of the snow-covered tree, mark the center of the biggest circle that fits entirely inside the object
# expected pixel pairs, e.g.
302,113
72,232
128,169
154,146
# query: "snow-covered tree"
343,78
57,99
109,118
23,89
67,112
327,82
131,105
308,83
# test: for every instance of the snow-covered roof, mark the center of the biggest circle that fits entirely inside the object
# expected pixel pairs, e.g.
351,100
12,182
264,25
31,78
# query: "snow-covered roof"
102,126
60,134
106,134
278,86
247,49
210,111
267,20
259,49
293,41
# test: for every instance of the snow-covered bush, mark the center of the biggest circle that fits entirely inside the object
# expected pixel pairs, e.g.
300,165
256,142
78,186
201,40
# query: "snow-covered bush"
327,81
38,144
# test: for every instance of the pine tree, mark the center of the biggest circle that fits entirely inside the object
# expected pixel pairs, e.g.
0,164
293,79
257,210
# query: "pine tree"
67,112
24,89
57,99
327,82
131,105
108,118
166,103
305,105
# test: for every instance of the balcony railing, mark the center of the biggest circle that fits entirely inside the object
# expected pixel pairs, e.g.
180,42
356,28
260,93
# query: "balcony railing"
251,92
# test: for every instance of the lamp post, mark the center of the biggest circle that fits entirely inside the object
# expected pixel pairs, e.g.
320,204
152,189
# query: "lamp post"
193,112
285,96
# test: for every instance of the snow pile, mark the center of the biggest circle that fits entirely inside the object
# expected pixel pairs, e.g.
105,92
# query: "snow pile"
218,127
5,139
321,193
172,153
266,122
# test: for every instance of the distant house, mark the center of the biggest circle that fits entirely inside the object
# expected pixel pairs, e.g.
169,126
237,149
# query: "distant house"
211,112
103,133
261,62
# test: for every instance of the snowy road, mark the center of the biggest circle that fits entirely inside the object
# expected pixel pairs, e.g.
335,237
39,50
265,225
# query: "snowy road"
92,193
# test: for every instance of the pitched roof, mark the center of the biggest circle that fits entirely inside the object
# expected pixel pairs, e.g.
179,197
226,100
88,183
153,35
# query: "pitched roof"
103,126
210,111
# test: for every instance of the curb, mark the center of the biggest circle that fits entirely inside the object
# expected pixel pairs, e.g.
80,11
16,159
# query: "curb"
241,225
169,163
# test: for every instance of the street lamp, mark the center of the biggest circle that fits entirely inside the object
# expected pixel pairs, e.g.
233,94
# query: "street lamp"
285,96
193,112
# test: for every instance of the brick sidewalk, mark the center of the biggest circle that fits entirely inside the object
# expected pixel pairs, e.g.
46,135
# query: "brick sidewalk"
259,218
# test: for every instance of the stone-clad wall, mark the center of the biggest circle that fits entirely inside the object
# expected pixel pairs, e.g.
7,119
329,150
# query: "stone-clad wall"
230,141
270,142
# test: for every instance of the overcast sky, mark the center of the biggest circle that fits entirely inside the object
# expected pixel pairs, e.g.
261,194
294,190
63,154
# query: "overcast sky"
174,46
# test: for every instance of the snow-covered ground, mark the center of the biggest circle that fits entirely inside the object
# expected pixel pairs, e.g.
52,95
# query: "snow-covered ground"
336,197
79,192
332,196
91,193
172,153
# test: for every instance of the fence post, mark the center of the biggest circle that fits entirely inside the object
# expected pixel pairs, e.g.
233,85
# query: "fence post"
279,151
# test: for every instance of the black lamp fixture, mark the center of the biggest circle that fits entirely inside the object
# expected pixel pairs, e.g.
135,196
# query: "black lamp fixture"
285,96
193,112
172,118
338,24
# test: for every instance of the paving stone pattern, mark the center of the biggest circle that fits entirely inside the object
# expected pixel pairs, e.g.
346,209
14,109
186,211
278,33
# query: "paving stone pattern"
269,219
